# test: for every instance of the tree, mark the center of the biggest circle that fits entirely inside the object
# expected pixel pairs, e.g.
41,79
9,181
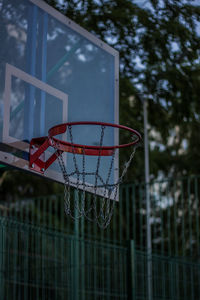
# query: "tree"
159,51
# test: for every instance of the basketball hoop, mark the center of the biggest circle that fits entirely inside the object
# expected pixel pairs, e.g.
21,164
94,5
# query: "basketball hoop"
104,193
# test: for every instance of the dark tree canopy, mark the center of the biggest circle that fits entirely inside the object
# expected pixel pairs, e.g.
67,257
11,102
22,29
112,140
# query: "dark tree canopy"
160,61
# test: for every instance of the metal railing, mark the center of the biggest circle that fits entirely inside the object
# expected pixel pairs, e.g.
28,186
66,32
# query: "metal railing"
44,254
172,278
39,263
174,216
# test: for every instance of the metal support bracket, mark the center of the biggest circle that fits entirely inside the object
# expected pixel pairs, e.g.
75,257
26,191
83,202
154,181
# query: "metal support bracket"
37,149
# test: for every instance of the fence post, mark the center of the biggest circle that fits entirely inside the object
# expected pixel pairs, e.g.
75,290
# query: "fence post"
148,204
76,252
2,260
131,284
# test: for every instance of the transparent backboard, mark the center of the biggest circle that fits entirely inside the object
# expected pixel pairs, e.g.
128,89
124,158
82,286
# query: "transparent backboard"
53,71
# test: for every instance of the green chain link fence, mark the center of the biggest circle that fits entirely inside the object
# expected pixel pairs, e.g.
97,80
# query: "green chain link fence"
38,263
45,255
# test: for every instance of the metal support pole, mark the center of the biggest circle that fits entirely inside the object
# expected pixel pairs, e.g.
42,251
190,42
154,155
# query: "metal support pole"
76,266
148,205
131,271
2,259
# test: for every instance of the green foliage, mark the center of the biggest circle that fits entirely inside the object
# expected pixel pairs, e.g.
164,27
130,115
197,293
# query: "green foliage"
159,58
16,184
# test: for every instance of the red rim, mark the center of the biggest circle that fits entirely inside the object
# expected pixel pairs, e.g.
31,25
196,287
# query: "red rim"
88,149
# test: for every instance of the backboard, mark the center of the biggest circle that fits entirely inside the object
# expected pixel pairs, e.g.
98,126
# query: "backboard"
53,71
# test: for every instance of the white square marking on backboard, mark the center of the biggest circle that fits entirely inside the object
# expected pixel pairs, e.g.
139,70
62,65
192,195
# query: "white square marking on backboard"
13,71
7,139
